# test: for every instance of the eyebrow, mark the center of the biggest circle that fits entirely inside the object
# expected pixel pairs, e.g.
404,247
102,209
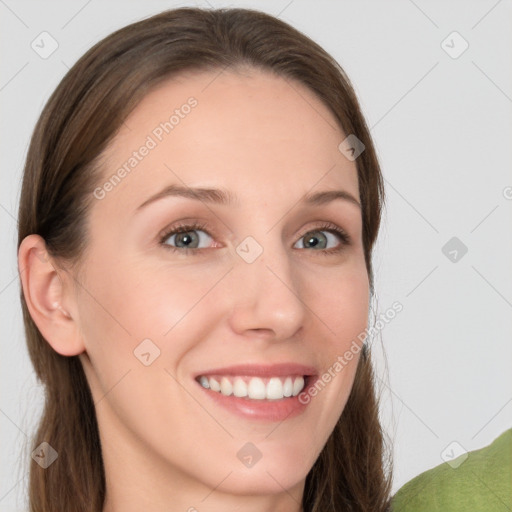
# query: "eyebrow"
225,197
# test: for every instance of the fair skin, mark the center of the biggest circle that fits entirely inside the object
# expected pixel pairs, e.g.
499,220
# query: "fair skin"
166,445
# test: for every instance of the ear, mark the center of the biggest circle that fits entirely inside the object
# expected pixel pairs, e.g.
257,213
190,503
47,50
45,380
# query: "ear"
48,297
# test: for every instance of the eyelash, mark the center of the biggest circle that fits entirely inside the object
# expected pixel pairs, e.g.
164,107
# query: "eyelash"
183,228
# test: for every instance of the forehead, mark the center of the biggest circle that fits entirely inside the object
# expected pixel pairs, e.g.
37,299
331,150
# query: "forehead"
249,131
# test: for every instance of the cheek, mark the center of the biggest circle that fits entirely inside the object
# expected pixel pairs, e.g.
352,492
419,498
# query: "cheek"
125,303
171,305
122,307
340,301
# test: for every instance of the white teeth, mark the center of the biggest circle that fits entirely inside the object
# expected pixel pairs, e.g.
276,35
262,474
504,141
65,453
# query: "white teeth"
288,387
226,388
239,388
255,388
298,384
214,384
274,389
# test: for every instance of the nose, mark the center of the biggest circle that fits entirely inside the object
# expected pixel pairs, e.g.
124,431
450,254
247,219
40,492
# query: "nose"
266,300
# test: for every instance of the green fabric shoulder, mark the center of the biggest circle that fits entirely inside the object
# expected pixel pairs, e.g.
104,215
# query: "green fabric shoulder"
482,482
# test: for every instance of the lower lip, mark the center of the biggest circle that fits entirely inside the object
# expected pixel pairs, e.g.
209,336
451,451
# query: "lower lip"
265,410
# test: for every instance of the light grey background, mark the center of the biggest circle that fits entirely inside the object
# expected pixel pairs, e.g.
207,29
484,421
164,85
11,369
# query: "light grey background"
443,131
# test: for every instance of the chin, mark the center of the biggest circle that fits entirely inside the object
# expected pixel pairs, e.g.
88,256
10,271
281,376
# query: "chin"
263,481
269,475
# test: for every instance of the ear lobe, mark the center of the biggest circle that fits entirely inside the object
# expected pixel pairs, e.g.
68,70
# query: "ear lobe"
44,293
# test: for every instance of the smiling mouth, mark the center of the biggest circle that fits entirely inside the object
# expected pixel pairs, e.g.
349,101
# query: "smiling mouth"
255,388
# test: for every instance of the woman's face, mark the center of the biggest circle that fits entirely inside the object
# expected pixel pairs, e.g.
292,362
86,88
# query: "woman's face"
264,283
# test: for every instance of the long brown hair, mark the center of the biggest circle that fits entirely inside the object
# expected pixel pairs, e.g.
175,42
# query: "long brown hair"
61,171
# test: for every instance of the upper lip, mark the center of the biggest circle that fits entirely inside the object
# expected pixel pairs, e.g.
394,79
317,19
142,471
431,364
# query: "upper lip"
262,370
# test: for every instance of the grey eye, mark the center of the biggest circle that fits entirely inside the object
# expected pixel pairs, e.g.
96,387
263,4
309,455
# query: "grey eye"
188,239
317,238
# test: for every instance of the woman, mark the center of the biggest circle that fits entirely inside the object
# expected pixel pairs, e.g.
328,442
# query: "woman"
199,206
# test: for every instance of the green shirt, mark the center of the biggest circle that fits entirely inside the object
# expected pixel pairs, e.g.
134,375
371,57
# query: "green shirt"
482,482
